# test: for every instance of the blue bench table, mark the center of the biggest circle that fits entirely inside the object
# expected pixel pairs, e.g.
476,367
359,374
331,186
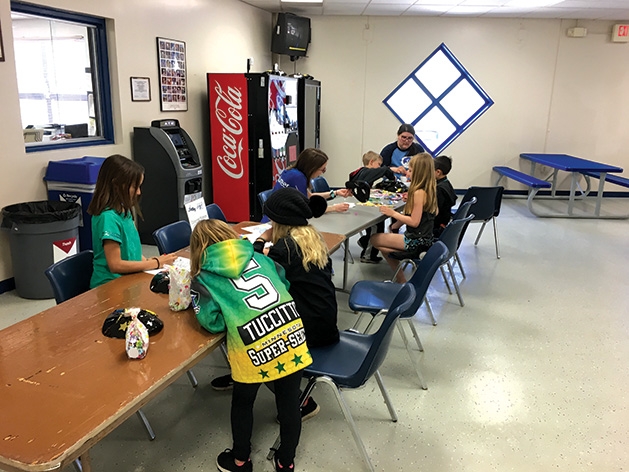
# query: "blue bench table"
577,167
533,183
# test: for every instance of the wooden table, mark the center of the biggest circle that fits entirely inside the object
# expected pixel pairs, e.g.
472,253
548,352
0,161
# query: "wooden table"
577,167
64,386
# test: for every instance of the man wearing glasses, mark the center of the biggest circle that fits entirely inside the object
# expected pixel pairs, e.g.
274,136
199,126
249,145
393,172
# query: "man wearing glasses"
397,154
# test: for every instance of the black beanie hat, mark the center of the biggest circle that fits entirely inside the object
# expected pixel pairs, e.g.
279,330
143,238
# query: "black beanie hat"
288,206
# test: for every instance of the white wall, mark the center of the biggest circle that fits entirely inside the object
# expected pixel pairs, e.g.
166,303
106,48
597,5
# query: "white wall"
219,34
552,93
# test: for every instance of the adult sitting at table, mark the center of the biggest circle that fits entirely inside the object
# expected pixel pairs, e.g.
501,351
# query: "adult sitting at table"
418,214
115,239
300,249
397,155
311,163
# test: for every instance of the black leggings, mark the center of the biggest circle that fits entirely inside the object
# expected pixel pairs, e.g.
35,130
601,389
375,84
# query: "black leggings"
287,403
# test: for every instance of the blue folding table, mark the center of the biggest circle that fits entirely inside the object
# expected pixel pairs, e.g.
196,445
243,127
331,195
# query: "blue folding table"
577,167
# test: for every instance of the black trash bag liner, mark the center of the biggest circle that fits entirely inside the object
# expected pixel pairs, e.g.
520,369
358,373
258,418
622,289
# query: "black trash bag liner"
46,211
115,325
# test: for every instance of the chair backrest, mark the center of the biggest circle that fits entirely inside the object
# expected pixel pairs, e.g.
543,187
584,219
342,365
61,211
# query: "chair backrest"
488,201
436,255
380,340
464,209
263,196
214,212
71,276
172,237
319,184
452,232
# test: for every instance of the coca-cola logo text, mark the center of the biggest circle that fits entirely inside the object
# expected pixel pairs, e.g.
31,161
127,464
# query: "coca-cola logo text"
230,118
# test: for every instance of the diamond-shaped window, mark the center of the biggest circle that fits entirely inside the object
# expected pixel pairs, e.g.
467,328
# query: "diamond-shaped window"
440,99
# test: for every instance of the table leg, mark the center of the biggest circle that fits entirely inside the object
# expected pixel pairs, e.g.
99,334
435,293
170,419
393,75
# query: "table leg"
553,190
345,263
573,187
599,196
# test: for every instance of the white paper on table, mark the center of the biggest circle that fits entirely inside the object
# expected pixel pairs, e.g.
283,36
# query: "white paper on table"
196,211
255,231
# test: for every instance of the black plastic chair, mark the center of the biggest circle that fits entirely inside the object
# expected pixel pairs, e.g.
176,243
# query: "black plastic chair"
459,214
487,207
172,237
214,212
374,297
450,237
71,277
352,361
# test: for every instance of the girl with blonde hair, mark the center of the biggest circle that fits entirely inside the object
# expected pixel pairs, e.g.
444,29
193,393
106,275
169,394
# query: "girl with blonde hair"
418,214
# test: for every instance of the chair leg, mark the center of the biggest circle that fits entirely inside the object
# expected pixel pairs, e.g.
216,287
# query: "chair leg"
415,334
351,258
496,238
455,283
458,261
410,353
350,419
430,313
445,279
192,378
385,395
480,233
360,317
373,318
146,423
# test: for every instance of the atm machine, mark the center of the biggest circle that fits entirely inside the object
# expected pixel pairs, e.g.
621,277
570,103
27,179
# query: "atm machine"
173,175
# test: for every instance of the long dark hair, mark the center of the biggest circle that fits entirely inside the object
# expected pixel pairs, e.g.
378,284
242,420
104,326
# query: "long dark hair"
113,187
309,160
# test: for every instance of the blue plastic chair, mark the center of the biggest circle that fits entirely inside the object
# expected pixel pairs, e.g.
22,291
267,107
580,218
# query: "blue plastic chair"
71,277
319,184
461,213
352,361
263,196
172,237
214,212
374,297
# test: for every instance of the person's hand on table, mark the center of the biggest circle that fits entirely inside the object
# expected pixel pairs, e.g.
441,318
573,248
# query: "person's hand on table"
405,196
344,192
338,208
386,210
166,259
267,235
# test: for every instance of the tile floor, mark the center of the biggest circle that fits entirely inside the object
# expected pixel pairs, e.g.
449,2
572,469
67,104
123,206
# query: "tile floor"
530,375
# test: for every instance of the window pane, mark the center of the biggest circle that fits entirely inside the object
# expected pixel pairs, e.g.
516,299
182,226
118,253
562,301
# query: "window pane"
59,87
409,101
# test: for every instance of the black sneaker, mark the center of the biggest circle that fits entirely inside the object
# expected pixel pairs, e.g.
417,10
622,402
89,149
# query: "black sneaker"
282,468
225,463
223,383
371,260
310,409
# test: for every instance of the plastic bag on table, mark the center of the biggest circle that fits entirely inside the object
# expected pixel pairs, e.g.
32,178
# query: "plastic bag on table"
136,337
179,288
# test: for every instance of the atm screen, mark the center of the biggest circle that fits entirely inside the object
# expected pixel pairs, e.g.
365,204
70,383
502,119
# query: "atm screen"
176,139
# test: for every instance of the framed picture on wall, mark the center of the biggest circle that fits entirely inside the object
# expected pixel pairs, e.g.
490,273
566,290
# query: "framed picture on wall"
1,46
173,85
140,89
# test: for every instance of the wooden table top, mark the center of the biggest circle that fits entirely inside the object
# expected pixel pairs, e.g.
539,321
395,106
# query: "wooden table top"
64,386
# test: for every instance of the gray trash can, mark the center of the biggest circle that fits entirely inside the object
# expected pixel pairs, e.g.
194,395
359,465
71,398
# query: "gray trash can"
40,233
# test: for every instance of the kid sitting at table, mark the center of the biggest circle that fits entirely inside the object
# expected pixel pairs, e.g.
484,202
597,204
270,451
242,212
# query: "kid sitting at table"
240,291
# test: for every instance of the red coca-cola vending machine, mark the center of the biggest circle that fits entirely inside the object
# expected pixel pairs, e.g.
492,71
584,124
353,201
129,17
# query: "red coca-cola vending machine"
253,138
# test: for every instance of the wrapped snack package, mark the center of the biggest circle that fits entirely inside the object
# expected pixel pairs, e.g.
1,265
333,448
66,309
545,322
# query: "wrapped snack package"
136,337
179,288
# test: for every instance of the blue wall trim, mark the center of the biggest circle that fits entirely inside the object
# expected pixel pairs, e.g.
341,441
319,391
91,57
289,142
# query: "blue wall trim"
7,285
561,193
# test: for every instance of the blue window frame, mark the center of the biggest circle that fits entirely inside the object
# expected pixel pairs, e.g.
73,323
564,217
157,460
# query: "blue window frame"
64,88
440,99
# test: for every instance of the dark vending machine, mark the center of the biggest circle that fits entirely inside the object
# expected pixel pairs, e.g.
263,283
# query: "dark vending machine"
253,138
173,175
309,113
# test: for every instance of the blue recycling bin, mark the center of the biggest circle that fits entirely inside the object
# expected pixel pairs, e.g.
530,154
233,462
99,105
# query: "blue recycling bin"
74,180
